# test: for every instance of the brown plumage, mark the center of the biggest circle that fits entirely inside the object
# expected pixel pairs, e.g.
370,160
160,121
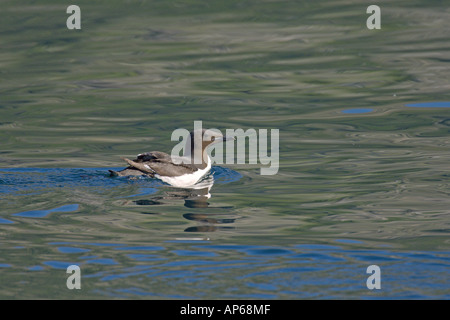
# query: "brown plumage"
160,164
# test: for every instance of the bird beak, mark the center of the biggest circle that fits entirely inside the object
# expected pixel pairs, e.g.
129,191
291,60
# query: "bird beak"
228,138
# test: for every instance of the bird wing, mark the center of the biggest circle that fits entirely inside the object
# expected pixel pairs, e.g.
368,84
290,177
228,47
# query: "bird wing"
160,163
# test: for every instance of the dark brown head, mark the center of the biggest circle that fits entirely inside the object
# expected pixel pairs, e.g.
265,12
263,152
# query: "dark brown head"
203,138
206,137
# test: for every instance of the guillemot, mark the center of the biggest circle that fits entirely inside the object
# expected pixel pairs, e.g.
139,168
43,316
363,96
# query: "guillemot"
177,171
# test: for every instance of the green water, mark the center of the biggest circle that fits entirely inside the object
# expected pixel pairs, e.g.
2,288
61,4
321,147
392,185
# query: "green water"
353,189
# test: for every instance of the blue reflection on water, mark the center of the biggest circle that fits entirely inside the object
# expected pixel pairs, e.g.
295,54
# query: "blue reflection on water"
348,241
44,213
59,264
5,221
439,104
357,110
72,250
263,272
36,268
33,180
103,261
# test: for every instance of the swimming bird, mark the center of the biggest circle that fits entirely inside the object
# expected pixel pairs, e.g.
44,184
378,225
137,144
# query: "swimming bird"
177,171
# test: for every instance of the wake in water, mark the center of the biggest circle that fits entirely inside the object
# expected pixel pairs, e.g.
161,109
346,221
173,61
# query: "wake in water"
19,180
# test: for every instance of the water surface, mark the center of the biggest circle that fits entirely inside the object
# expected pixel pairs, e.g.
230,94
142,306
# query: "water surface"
364,149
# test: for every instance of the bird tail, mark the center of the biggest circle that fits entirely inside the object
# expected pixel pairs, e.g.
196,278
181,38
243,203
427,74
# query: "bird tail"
113,173
142,167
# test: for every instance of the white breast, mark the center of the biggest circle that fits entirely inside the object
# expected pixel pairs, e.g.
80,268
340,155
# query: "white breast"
186,180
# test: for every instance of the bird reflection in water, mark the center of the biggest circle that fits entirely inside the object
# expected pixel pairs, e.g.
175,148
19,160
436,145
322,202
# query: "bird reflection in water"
196,196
